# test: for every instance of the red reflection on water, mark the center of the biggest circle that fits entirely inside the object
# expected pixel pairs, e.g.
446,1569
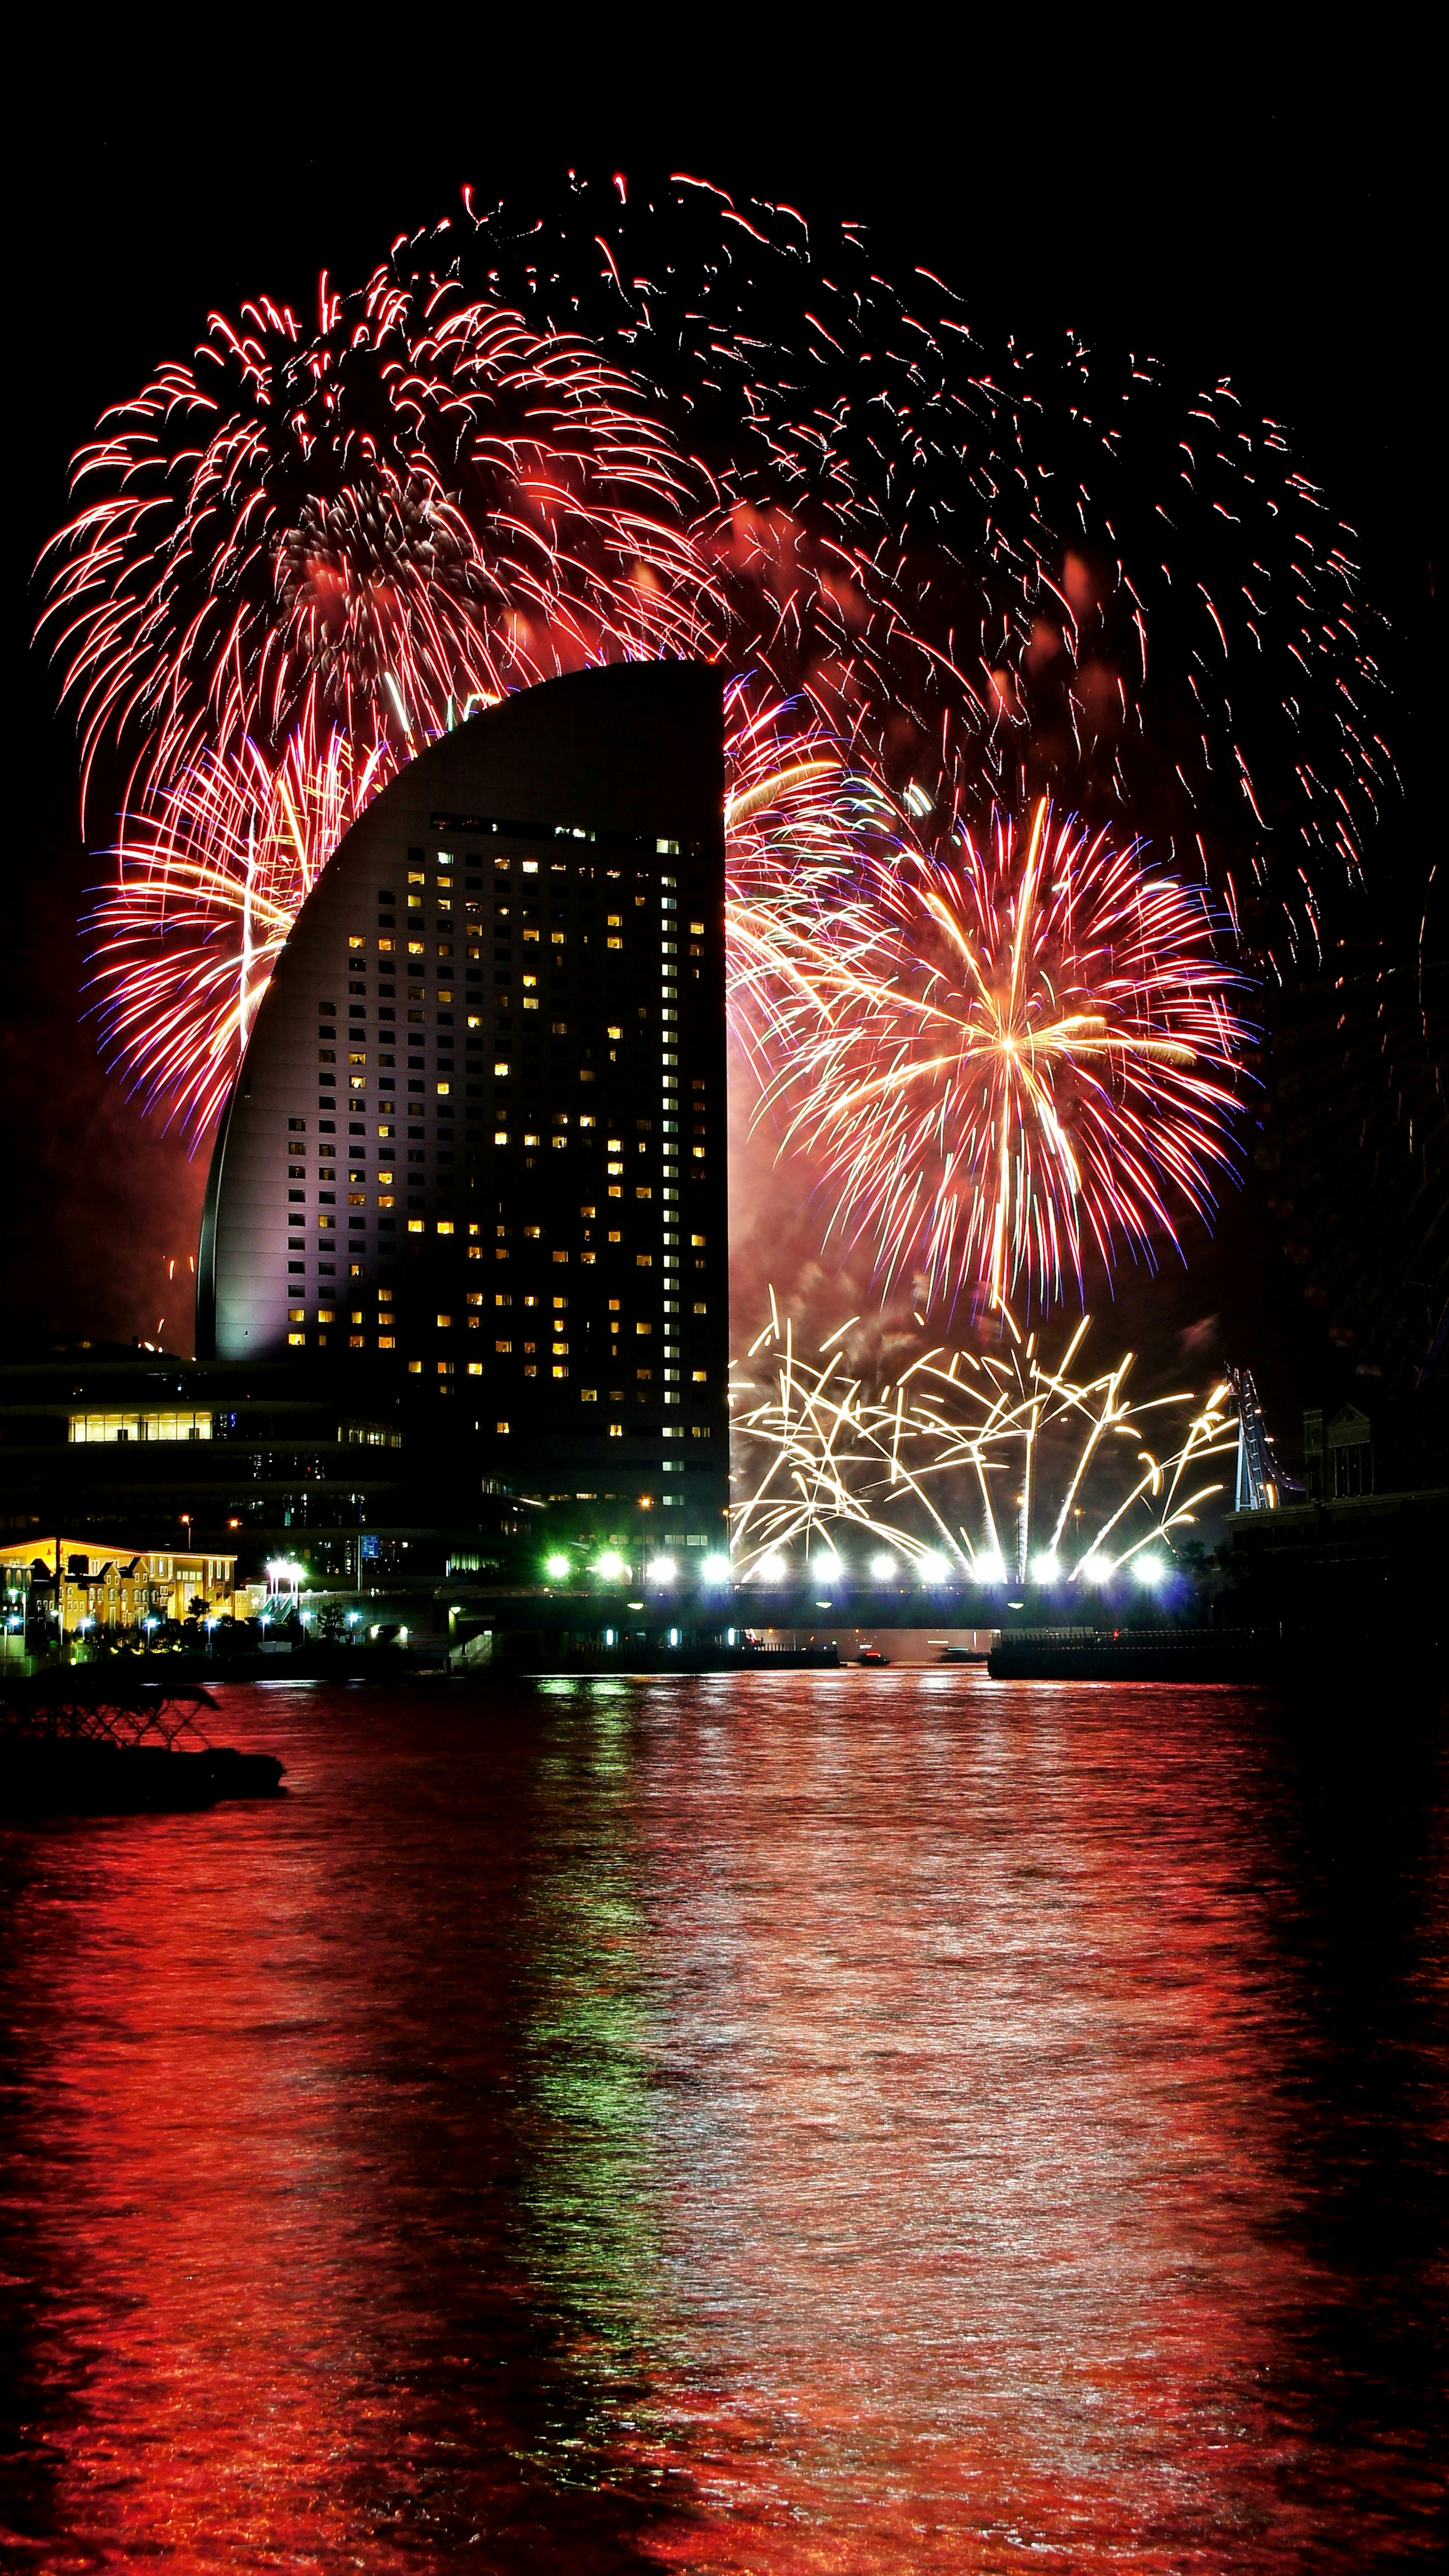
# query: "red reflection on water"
819,2123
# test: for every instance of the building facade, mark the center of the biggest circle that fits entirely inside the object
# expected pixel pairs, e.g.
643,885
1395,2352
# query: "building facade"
475,1152
73,1589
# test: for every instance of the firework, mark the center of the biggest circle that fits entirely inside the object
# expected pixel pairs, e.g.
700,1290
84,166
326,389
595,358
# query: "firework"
945,573
992,1465
1001,1058
420,502
1009,570
209,881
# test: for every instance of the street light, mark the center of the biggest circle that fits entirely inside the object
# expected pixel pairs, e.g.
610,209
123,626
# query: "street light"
611,1566
556,1567
661,1569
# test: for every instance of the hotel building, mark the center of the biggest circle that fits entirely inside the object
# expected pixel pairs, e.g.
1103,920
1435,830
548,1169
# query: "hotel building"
474,1159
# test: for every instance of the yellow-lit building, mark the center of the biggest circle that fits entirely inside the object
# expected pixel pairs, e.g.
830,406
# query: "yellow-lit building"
120,1588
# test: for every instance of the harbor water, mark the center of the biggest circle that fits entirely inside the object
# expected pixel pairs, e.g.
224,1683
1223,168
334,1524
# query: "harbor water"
880,2121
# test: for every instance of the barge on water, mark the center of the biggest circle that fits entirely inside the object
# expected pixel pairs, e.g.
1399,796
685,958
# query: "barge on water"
102,1740
1130,1655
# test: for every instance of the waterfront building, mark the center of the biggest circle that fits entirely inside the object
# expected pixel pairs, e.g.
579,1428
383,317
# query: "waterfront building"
473,1165
67,1588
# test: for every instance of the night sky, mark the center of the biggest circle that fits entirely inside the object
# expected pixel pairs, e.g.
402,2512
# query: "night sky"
1248,214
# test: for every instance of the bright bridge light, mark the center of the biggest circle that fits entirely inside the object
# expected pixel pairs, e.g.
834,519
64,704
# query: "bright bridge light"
772,1567
1045,1568
826,1564
1094,1569
661,1569
556,1567
935,1568
883,1567
716,1569
1149,1569
610,1566
989,1569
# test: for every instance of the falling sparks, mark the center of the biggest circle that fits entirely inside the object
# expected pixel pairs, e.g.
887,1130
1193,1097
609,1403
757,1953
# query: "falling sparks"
992,1465
1001,1056
942,578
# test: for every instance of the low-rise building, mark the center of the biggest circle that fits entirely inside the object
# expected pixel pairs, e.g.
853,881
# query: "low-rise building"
76,1587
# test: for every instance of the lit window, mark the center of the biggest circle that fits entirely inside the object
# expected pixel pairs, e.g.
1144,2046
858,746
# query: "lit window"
475,1368
503,1346
387,1341
588,1395
443,1089
297,1337
502,1072
445,1225
616,1431
500,1426
295,1315
357,1341
445,1323
699,1376
415,1225
560,1372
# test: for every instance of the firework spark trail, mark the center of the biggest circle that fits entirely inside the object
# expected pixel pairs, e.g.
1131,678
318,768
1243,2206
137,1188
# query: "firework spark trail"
928,1467
999,1056
1105,580
423,500
209,885
943,578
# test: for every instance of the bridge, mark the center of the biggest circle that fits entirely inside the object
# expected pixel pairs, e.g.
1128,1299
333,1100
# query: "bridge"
692,1613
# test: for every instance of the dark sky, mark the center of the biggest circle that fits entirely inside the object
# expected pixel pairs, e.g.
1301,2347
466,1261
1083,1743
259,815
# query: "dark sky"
1263,213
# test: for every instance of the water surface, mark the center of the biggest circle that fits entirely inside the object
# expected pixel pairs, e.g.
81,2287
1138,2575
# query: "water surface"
791,2123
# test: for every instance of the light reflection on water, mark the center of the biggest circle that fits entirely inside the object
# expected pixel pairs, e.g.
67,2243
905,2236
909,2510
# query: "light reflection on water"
807,2122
